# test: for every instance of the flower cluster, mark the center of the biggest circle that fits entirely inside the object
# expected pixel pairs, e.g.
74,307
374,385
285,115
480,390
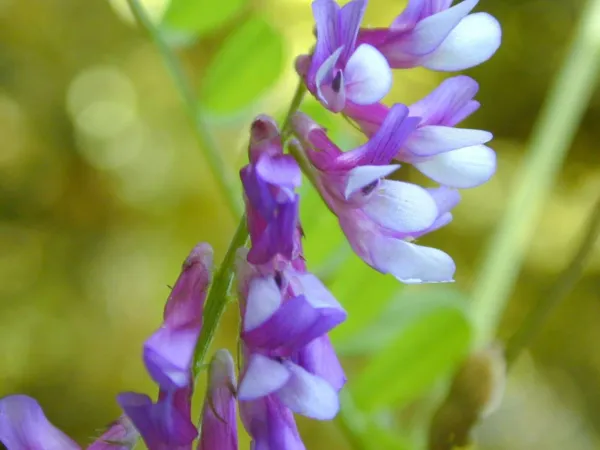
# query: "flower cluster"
288,365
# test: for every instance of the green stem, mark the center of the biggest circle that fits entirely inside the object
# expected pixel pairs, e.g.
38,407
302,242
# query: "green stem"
562,287
224,177
216,300
296,102
551,138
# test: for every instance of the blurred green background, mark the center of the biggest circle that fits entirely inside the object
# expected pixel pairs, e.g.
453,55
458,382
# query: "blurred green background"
103,191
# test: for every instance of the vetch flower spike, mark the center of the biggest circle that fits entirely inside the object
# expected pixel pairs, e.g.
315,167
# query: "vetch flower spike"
219,423
339,69
168,352
378,216
24,426
436,35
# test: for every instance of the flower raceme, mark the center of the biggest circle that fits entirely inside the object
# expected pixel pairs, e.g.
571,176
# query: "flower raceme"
288,363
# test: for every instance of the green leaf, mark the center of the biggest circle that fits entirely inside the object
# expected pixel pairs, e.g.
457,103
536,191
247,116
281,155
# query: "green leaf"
200,16
248,63
430,343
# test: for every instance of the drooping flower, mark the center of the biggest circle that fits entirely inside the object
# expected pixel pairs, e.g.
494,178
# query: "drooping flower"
455,157
271,203
436,35
219,423
378,216
339,69
24,426
166,424
168,352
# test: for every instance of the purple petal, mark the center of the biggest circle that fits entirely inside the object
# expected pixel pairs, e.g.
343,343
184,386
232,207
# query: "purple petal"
326,14
475,39
23,426
163,425
258,194
445,198
407,262
362,176
463,168
401,207
309,395
410,16
270,424
264,299
262,376
219,422
368,77
350,17
168,356
280,170
450,103
388,140
430,32
120,435
433,139
319,358
368,117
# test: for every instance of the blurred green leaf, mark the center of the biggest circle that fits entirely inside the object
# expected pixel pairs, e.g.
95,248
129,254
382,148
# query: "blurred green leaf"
428,345
200,16
248,63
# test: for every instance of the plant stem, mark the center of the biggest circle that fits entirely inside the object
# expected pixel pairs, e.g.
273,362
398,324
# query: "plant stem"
562,287
224,177
216,300
551,138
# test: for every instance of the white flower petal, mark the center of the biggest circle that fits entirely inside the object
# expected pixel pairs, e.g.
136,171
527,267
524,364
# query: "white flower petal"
263,376
309,395
402,207
463,168
474,40
433,139
368,77
264,298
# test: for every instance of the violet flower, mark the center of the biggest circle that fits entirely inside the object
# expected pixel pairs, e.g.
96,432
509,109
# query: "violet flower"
436,35
455,157
24,426
166,424
272,205
378,216
219,423
339,69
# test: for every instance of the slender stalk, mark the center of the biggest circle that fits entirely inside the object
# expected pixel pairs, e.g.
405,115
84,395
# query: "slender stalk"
224,177
551,138
216,300
562,287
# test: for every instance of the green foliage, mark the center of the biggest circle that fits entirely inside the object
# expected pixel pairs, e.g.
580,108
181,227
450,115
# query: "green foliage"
248,63
433,336
200,16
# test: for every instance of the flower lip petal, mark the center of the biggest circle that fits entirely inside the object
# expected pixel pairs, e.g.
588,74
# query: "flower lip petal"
262,376
368,76
281,170
309,395
474,40
434,139
264,298
324,73
23,425
463,168
401,207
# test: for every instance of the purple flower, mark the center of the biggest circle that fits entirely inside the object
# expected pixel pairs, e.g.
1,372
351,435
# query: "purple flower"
339,69
285,316
455,157
168,352
270,424
164,425
272,205
23,426
219,423
432,34
378,216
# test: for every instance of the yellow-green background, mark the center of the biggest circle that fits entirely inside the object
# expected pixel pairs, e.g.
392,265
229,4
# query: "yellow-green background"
103,191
